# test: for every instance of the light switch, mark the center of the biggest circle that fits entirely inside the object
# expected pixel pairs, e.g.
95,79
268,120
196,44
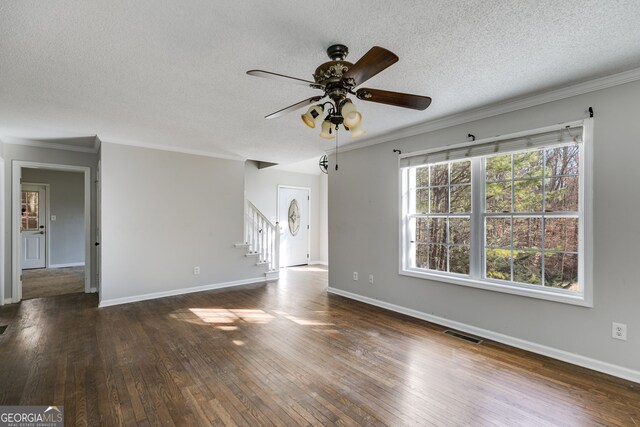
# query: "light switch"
53,217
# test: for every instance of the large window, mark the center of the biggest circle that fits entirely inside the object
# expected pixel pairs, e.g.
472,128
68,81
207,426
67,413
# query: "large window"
506,214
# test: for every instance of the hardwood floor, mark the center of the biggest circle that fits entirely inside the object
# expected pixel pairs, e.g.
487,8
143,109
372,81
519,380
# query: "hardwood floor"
47,282
284,353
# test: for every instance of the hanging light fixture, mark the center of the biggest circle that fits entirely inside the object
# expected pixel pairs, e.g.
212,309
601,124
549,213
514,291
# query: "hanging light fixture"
346,115
311,116
356,131
350,115
327,130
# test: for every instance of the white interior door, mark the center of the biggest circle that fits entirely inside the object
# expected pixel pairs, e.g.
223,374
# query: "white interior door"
293,216
33,231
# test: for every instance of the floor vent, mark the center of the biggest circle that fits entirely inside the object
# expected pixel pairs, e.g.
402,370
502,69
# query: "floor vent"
2,329
462,336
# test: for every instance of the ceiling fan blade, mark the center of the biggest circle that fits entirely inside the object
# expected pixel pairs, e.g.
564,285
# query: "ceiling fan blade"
374,61
282,77
406,100
294,107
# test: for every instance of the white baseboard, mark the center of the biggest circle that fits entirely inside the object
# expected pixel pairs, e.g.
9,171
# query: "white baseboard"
154,295
565,356
319,262
69,264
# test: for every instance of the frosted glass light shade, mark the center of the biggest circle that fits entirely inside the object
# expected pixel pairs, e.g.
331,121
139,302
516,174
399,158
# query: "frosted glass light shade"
312,115
350,115
357,131
327,130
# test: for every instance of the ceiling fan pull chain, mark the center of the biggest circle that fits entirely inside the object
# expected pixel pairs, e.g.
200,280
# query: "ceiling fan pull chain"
337,129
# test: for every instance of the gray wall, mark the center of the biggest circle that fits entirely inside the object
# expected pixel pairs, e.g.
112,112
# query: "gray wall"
364,232
66,198
261,189
12,152
164,213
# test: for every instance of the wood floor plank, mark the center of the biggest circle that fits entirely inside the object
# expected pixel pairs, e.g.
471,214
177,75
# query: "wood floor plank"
281,354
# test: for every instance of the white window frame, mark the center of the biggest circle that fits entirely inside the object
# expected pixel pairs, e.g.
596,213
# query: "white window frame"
585,243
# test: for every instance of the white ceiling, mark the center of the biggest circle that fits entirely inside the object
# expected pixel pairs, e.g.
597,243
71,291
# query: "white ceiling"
172,73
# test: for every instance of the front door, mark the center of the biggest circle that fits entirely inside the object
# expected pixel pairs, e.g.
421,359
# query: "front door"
293,216
32,226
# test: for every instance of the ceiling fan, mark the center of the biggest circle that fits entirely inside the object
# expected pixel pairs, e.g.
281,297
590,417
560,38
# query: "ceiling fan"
338,79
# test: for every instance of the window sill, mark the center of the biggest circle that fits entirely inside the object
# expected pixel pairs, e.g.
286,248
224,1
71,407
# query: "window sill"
526,291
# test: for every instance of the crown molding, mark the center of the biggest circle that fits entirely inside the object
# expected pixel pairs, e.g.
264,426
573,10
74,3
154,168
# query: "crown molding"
176,150
52,145
496,109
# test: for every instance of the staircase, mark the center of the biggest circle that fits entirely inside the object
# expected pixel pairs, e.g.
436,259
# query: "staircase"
262,241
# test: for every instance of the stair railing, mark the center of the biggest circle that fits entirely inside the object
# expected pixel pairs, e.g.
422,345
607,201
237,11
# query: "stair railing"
262,236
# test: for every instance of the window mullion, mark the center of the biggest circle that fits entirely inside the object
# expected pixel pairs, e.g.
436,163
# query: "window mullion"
477,218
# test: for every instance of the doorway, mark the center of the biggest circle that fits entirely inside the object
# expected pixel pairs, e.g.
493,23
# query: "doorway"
293,216
50,260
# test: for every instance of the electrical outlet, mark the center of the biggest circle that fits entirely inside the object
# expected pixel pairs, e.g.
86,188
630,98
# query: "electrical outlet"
355,275
371,279
196,270
619,331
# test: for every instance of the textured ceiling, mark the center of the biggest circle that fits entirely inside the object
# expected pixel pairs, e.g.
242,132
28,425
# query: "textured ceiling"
172,73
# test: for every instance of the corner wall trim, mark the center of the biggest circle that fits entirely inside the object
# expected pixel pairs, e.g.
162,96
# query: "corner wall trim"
320,262
554,353
154,295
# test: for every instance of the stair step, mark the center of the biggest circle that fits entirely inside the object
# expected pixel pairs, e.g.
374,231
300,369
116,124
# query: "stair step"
252,254
242,245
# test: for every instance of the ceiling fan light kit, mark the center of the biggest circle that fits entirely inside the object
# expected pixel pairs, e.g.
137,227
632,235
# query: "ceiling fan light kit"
311,116
339,78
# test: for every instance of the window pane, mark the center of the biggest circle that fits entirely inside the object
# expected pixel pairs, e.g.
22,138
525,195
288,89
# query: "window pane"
527,164
498,263
561,271
528,196
32,223
562,194
438,230
461,199
563,160
421,256
498,168
422,177
498,232
527,233
440,200
422,230
527,267
461,172
422,200
561,234
498,197
459,231
440,174
438,257
459,259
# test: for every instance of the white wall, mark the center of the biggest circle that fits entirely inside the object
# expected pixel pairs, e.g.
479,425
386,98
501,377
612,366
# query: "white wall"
364,228
2,229
261,189
12,152
66,200
164,213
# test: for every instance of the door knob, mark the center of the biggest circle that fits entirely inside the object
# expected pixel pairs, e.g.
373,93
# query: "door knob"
42,232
